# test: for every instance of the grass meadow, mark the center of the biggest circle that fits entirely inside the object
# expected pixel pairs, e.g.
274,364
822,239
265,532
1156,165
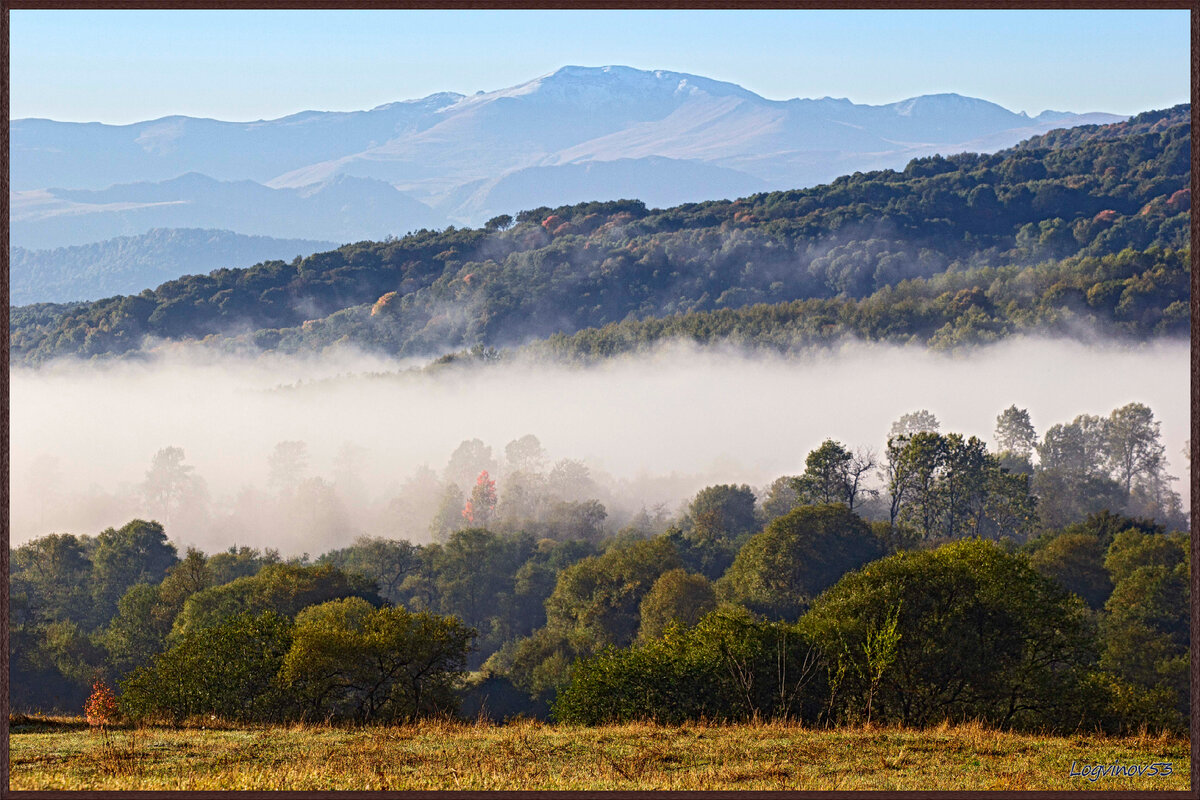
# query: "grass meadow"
62,753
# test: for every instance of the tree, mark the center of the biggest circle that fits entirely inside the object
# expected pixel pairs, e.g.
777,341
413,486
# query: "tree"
411,512
1078,449
1114,463
778,572
469,459
474,577
677,597
350,660
834,475
449,516
1133,445
138,552
950,486
979,635
387,562
170,483
138,631
596,601
722,513
481,506
522,502
51,666
52,573
913,465
913,423
879,650
781,497
314,510
498,223
965,485
539,665
239,562
525,454
566,521
184,578
1066,495
718,519
1075,555
1014,432
570,480
1153,496
1010,508
824,478
146,613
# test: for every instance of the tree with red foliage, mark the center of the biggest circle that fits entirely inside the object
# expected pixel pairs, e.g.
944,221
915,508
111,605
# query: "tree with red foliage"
482,504
101,707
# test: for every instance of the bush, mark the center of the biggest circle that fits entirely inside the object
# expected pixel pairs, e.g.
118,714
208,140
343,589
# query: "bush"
730,667
350,660
227,669
979,634
1145,633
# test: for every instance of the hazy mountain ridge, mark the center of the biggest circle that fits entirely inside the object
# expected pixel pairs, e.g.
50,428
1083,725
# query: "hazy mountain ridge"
342,209
447,149
129,264
49,153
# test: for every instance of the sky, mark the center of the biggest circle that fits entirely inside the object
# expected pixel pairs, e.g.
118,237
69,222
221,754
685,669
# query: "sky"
122,66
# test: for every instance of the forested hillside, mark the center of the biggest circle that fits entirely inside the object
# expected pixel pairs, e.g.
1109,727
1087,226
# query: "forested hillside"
1134,294
1146,122
984,244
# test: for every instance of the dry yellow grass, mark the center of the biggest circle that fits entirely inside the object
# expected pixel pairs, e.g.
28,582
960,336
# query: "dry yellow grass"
530,755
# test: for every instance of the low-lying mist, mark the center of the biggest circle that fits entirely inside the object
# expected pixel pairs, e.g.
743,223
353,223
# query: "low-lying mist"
651,429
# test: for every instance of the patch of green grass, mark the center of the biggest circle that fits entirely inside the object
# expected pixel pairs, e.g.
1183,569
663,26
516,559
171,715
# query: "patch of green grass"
531,755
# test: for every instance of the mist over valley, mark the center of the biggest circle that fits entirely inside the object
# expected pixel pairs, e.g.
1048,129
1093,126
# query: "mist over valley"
652,429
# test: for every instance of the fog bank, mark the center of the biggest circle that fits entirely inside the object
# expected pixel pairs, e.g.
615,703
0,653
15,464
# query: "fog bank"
652,429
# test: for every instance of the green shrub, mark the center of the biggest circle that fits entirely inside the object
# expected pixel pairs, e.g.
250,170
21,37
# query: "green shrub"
979,635
730,667
228,669
350,660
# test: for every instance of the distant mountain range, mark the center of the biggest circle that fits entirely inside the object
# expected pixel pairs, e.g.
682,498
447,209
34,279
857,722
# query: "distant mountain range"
577,134
342,209
129,264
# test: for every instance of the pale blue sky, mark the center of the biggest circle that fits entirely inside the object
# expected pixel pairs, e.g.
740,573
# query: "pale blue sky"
121,66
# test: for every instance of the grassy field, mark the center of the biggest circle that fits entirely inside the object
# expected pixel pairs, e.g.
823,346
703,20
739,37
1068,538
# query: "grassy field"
65,754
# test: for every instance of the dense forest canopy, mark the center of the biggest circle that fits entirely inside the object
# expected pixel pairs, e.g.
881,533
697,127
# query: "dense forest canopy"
1088,224
1059,578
